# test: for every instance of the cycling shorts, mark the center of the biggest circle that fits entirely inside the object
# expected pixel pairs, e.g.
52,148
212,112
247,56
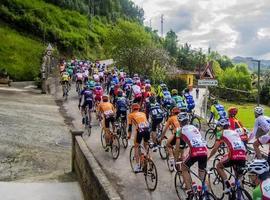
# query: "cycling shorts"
121,113
182,142
108,121
79,81
98,98
236,164
145,135
88,103
155,123
202,161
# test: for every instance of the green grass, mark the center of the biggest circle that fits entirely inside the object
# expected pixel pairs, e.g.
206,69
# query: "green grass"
19,55
246,112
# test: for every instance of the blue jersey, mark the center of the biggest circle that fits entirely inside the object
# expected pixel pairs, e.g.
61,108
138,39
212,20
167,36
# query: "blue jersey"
87,94
190,102
221,111
115,79
121,104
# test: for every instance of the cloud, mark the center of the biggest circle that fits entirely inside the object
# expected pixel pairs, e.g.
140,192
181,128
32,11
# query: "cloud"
230,27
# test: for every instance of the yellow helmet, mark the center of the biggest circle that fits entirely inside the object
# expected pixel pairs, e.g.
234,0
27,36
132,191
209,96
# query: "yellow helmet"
174,91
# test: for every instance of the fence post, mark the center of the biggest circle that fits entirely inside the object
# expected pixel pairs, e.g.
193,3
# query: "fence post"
74,133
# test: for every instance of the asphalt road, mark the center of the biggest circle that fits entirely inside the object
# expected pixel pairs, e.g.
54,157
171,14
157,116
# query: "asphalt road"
130,186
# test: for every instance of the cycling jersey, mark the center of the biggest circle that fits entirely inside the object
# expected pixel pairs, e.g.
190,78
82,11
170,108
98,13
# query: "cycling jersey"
262,124
98,91
107,109
180,102
190,102
262,191
79,76
155,111
236,148
65,77
218,111
115,79
192,136
96,77
139,120
87,94
121,103
173,121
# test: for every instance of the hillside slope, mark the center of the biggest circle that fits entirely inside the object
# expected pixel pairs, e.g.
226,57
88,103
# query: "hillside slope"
19,54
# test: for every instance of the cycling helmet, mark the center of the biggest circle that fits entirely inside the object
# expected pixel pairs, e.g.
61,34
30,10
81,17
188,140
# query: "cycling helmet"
183,116
186,90
105,98
175,111
136,75
152,99
120,93
135,106
174,92
232,111
224,123
258,167
258,110
147,81
147,87
215,101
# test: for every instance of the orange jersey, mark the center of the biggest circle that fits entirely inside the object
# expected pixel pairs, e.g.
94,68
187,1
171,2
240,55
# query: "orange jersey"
106,108
173,121
138,119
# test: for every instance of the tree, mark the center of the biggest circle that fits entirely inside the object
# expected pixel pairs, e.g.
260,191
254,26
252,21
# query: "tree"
170,43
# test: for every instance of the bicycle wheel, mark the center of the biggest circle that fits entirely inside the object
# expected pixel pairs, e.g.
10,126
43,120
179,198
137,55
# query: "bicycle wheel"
115,146
242,194
102,137
163,150
132,159
195,121
207,196
210,138
216,184
151,175
170,167
179,186
124,137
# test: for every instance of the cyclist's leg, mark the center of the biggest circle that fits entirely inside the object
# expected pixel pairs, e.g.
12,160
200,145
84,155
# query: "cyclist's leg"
202,164
265,139
189,161
224,163
146,138
170,143
137,141
107,130
83,112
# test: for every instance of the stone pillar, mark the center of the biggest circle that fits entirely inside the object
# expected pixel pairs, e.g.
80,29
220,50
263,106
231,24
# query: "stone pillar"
74,133
46,68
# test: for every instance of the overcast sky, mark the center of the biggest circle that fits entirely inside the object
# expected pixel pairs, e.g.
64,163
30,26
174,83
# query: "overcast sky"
232,27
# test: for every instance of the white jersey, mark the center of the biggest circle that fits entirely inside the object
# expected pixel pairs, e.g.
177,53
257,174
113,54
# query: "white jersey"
265,187
86,73
101,74
121,74
136,89
79,76
192,136
96,77
262,123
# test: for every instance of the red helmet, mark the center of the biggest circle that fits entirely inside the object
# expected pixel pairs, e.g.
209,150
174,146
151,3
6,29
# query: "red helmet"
232,111
175,111
135,106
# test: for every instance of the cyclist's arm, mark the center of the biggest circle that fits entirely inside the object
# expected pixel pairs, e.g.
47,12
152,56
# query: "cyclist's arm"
129,125
255,129
216,146
165,128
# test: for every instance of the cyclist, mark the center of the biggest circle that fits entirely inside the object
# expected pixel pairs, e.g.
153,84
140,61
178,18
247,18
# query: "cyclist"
65,80
190,101
191,136
88,100
139,120
160,91
236,156
173,139
96,77
127,87
79,79
101,74
98,92
236,125
153,111
115,78
217,111
137,93
260,176
121,106
107,111
179,101
261,131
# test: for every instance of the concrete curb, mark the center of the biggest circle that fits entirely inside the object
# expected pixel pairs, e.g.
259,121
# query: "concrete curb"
93,181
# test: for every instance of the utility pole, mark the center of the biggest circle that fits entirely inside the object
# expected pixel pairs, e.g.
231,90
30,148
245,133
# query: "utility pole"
151,23
162,21
258,85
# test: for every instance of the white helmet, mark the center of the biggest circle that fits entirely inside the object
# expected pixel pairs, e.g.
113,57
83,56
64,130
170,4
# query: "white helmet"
258,110
223,122
258,167
182,116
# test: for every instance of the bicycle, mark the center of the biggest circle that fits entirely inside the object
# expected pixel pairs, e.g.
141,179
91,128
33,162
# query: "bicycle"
211,135
65,87
121,130
148,167
194,120
199,193
88,120
237,190
114,143
79,87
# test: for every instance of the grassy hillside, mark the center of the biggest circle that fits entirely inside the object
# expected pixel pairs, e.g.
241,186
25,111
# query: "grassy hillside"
19,55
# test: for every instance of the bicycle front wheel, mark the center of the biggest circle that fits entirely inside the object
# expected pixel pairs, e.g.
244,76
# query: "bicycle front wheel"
216,184
150,175
179,186
163,151
241,194
210,138
195,121
115,147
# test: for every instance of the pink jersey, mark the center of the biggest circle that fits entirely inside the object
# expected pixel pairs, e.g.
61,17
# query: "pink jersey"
192,136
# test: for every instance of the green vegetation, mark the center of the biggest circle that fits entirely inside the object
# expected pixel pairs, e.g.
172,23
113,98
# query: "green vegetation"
19,55
246,112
